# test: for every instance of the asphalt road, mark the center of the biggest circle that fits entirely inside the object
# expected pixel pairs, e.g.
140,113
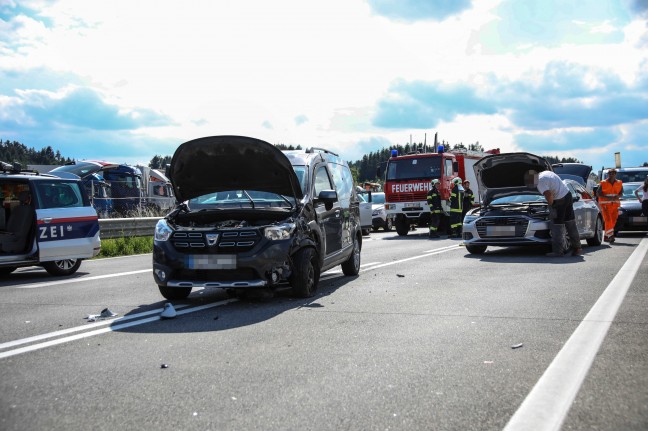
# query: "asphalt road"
427,337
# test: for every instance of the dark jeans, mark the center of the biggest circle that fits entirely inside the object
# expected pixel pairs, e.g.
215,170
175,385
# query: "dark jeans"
563,209
644,206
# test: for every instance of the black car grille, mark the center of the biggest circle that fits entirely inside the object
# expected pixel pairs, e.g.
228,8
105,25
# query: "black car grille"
239,274
512,227
233,241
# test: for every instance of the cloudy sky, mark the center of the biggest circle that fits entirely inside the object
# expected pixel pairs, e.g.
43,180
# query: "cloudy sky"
126,80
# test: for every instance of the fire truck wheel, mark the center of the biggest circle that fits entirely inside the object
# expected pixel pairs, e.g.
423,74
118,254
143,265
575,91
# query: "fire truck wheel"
402,226
306,272
476,249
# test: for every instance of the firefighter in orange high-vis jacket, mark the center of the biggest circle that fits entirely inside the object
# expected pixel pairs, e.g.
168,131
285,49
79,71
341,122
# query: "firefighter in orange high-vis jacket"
609,192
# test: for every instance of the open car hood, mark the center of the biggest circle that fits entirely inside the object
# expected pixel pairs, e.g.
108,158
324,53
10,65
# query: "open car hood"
500,175
218,163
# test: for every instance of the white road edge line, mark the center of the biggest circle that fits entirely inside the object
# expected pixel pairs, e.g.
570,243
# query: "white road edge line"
547,405
105,330
81,279
83,328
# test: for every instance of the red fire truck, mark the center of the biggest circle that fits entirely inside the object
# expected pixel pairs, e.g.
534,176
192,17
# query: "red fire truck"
407,181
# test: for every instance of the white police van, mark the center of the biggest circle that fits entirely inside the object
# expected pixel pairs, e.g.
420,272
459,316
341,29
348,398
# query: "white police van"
46,221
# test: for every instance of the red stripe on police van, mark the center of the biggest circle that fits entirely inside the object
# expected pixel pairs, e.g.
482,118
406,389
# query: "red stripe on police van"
68,219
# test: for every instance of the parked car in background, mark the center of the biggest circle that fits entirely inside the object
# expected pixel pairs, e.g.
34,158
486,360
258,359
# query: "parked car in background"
514,213
630,216
379,219
253,217
365,211
579,172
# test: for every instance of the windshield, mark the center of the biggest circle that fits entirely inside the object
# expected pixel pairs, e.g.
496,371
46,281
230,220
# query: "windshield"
378,198
628,191
231,199
79,169
414,168
519,199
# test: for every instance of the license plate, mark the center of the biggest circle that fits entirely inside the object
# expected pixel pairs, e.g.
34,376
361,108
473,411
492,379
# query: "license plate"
500,230
639,220
211,261
411,205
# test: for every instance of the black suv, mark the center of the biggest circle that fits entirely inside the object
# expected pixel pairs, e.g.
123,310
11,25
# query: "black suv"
252,216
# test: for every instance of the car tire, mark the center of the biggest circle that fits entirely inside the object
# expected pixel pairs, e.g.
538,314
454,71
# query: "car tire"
365,232
174,293
375,228
351,266
476,249
597,239
389,225
306,272
62,267
7,270
402,226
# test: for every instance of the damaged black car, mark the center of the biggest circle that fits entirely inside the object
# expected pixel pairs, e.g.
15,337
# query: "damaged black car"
253,217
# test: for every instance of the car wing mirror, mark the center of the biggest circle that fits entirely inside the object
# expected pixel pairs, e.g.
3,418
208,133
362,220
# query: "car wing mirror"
327,197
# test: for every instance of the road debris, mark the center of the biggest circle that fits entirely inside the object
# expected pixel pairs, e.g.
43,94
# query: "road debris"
168,312
164,366
400,275
106,313
517,346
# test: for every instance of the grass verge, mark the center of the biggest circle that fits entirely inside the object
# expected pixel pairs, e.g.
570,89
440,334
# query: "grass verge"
125,246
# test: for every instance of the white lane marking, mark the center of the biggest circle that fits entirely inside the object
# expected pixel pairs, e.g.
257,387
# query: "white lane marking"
33,347
80,279
425,253
83,328
547,405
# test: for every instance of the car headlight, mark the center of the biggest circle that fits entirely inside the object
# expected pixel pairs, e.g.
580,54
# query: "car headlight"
282,231
378,212
470,218
162,231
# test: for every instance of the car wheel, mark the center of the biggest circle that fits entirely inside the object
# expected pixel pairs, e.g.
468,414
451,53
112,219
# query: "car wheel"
476,249
174,293
306,272
365,232
7,270
352,265
402,226
597,239
374,228
389,225
62,267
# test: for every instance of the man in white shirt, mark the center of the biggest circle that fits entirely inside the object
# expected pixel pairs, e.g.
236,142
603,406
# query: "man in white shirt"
561,201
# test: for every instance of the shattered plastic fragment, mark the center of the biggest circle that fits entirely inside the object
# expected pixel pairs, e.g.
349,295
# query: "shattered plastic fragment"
517,346
107,313
168,312
400,275
164,366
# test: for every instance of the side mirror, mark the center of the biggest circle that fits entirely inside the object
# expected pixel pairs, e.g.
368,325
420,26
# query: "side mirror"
328,197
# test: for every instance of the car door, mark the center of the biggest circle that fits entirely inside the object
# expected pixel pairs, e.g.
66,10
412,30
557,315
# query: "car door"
67,226
329,219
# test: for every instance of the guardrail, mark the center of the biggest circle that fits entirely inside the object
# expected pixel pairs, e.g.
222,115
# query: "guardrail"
123,227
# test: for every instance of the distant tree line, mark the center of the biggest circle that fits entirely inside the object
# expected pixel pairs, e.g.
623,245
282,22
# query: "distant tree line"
15,152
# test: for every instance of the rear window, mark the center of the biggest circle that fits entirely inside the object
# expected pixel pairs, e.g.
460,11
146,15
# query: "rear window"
59,194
